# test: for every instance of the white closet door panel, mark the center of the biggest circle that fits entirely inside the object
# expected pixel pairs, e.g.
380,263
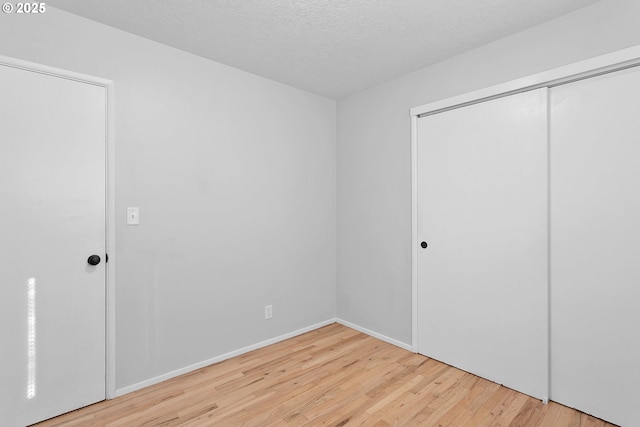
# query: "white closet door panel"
482,209
52,302
595,246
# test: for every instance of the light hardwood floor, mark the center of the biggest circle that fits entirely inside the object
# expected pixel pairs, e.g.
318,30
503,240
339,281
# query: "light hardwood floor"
333,376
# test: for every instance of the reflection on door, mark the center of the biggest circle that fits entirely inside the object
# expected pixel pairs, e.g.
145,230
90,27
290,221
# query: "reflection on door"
31,338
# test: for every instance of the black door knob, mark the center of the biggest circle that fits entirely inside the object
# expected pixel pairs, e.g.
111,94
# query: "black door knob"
93,260
423,244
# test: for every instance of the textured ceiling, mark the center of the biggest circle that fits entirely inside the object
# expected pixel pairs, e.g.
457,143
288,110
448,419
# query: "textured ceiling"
330,47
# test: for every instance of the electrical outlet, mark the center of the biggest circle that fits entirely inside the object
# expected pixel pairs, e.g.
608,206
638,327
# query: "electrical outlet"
268,311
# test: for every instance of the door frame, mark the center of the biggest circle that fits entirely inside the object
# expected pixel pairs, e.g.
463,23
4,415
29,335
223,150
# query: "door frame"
110,241
615,61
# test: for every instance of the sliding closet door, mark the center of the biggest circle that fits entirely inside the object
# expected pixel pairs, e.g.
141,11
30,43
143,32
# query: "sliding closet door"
595,246
482,214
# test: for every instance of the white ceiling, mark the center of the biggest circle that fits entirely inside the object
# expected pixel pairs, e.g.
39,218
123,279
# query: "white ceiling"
330,47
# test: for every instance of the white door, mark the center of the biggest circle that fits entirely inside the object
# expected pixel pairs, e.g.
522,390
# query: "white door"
52,190
595,246
482,211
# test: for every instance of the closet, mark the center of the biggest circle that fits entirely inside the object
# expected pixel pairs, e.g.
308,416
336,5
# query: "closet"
527,236
482,211
595,245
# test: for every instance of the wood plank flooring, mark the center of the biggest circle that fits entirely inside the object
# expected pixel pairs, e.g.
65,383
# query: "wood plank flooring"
333,376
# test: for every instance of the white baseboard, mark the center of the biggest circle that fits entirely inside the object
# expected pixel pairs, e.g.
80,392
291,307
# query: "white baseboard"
375,334
229,355
186,369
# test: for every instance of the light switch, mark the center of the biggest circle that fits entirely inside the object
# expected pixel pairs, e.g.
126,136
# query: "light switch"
133,216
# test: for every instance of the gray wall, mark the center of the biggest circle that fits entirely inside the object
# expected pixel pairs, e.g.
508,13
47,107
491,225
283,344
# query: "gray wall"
235,178
373,152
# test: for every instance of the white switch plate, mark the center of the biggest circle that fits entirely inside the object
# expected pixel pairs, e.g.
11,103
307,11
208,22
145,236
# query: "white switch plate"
133,216
268,311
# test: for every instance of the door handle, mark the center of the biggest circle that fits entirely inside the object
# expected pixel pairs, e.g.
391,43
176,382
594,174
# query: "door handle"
93,260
